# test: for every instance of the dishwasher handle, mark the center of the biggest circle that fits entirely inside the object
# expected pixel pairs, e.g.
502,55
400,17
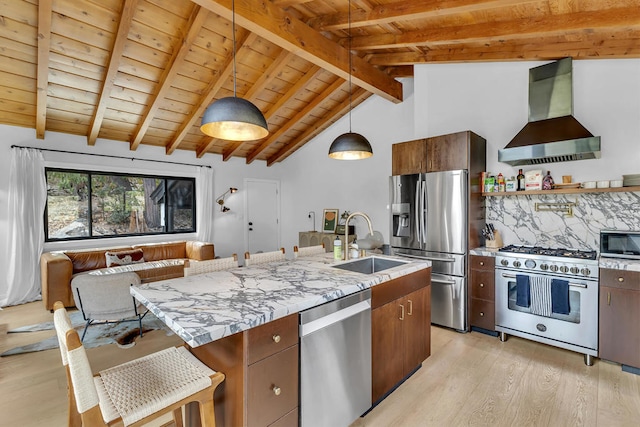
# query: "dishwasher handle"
338,316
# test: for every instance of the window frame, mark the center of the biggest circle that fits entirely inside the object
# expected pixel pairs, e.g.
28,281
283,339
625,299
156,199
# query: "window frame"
90,173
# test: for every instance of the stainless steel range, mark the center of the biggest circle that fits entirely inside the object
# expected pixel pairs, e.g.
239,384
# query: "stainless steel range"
549,296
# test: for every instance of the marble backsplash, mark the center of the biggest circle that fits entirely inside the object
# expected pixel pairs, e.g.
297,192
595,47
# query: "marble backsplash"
518,222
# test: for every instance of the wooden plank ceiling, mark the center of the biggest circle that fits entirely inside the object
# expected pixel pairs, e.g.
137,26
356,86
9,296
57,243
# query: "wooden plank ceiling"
143,71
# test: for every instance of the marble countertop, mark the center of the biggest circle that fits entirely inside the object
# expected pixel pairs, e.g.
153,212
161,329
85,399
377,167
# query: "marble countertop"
484,251
206,307
619,264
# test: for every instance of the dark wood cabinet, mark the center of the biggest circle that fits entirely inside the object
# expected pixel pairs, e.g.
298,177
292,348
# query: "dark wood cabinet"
619,321
482,294
409,157
448,152
439,153
400,327
261,369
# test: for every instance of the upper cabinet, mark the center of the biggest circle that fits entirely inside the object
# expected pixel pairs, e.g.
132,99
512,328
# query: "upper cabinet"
439,153
409,157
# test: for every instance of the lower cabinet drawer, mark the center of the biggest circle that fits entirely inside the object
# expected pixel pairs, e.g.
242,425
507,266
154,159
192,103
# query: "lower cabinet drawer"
272,387
289,420
483,314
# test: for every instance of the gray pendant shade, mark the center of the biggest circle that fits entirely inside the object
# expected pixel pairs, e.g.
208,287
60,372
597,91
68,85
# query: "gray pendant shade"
350,146
234,119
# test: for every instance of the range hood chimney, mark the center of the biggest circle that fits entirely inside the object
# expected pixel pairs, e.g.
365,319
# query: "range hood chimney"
552,134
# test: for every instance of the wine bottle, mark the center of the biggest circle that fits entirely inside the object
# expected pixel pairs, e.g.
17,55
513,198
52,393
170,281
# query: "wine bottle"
520,178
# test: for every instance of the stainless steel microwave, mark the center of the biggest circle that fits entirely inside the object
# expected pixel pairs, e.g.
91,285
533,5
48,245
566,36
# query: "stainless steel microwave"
620,244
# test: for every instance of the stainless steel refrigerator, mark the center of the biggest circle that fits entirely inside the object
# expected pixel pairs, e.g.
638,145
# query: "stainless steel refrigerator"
429,221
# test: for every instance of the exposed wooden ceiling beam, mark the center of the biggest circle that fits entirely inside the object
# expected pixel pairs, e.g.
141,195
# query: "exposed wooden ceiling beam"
291,94
405,10
285,30
208,95
357,96
523,50
265,78
42,76
197,18
128,10
496,31
300,115
245,40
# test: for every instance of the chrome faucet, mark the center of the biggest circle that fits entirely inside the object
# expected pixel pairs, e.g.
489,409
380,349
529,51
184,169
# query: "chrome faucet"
346,231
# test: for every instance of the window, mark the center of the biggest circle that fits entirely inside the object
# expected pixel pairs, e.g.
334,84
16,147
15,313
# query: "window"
86,205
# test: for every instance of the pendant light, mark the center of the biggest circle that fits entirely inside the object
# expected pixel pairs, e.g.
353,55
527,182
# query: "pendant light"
233,118
350,145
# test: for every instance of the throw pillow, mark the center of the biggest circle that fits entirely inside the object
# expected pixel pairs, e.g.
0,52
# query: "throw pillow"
124,257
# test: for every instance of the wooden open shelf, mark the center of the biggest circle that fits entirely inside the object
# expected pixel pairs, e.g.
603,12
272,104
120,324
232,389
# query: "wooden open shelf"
563,191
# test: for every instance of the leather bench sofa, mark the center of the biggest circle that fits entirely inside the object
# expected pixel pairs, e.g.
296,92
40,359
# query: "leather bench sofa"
159,261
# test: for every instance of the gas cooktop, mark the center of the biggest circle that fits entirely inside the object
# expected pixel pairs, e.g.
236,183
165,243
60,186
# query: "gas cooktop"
538,250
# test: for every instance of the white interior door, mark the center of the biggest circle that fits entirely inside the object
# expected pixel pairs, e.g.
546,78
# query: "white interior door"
262,228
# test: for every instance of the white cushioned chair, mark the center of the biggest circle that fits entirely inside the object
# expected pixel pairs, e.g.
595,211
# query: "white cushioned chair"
107,299
308,250
263,257
136,392
198,267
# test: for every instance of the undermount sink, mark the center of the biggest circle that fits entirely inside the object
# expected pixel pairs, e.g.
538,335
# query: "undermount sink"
370,265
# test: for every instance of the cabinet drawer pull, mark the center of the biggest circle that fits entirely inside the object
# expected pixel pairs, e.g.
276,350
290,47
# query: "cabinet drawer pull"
410,308
401,312
276,390
276,338
481,262
608,298
482,314
620,279
482,285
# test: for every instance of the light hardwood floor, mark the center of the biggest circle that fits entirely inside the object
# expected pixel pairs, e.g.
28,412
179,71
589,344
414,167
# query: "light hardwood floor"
470,379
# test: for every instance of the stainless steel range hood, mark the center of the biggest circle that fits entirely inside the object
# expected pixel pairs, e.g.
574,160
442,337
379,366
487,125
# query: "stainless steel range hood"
552,134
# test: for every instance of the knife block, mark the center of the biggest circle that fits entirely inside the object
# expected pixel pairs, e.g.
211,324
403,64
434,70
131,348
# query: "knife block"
496,243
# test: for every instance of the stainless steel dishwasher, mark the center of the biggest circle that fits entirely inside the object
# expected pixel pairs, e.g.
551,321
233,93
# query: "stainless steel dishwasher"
335,361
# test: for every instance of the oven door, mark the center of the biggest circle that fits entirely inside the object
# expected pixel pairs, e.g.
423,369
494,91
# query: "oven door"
576,331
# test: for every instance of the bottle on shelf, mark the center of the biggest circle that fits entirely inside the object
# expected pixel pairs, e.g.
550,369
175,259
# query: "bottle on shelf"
520,179
501,184
547,181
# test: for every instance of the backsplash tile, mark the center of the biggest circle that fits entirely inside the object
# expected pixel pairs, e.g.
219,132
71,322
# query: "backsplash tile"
518,222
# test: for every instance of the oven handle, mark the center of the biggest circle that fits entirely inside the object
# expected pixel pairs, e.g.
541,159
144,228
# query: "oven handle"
575,285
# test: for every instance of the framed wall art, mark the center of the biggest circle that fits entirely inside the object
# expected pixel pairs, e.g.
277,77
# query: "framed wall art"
329,220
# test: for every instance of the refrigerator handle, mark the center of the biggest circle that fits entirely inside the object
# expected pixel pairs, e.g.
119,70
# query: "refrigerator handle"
423,213
416,206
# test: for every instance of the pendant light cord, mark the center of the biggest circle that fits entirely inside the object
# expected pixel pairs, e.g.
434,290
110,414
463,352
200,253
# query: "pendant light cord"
233,31
350,66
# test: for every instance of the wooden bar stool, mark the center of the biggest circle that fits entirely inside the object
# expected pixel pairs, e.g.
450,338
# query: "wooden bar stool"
263,257
308,250
139,391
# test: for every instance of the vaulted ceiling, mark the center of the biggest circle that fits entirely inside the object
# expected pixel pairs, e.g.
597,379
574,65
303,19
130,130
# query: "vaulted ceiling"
144,71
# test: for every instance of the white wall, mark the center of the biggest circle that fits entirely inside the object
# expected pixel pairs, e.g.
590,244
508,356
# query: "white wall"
492,100
313,182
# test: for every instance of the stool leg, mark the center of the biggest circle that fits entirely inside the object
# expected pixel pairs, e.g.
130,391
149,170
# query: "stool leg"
177,417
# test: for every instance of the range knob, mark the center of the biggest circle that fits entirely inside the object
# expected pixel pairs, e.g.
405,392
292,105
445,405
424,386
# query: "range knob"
544,267
574,270
530,263
564,269
585,271
553,268
516,264
504,262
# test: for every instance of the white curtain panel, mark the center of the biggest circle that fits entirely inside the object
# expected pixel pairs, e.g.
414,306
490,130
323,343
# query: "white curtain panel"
27,198
204,214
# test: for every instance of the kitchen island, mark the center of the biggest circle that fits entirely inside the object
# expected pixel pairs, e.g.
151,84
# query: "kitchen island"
244,322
